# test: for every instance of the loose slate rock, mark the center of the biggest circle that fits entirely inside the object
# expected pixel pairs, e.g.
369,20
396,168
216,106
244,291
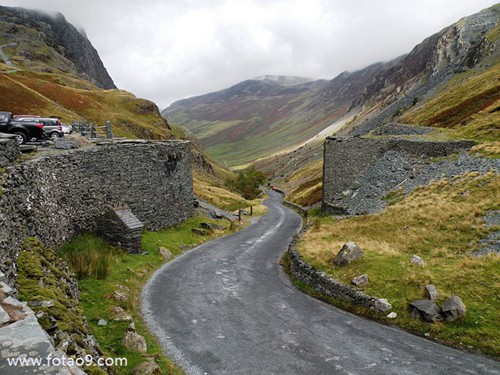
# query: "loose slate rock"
432,292
199,231
348,254
134,342
360,280
415,259
166,253
453,309
426,310
382,305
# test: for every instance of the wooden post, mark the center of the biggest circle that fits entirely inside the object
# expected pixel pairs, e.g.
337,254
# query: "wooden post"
251,210
239,215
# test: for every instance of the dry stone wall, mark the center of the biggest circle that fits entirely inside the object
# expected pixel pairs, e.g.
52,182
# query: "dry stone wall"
325,284
59,196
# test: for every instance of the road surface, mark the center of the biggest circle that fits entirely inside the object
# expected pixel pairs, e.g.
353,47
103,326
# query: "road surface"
226,308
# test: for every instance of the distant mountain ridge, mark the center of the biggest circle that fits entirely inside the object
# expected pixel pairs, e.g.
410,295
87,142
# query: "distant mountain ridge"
76,53
258,118
284,80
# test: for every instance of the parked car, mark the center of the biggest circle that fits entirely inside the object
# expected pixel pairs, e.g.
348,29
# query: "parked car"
23,130
67,129
52,127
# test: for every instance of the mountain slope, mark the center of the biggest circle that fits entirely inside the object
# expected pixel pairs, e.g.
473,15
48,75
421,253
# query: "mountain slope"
260,117
44,42
451,80
244,121
257,118
472,43
51,69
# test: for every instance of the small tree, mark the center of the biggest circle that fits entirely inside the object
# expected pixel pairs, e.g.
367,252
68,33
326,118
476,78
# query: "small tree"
247,182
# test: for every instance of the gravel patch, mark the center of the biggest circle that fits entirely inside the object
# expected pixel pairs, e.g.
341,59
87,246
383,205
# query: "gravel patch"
398,170
491,243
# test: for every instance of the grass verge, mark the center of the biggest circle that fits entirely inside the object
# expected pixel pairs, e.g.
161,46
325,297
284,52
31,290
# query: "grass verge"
443,224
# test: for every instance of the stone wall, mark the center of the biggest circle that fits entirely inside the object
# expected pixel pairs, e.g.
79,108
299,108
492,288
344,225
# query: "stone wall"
9,151
345,160
325,284
56,197
297,208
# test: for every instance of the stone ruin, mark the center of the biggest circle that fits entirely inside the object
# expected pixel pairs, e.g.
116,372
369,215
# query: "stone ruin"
359,172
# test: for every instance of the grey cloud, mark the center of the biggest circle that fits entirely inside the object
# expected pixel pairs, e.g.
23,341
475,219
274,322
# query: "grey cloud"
167,50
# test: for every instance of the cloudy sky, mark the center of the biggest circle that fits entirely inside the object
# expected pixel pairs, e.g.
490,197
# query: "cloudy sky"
172,49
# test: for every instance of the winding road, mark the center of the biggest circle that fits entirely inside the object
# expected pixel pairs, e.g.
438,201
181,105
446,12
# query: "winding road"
226,308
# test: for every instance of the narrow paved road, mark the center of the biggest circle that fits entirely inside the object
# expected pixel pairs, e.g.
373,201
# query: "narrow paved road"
225,308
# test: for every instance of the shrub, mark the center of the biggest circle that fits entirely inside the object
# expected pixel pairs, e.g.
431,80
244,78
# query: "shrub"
247,183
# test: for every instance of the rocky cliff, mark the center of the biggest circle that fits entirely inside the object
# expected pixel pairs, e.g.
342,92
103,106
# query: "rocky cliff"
472,43
55,40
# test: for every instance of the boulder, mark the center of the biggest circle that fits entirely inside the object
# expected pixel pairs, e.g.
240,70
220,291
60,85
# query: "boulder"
360,280
102,322
119,296
453,309
166,253
382,305
426,310
134,342
123,317
120,315
146,368
432,292
415,259
131,327
348,254
199,231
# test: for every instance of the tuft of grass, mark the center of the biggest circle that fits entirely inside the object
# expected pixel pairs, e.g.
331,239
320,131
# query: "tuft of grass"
443,224
89,256
394,196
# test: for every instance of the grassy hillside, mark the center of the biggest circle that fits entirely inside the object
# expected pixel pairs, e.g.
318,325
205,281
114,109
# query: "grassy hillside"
71,98
469,105
443,224
253,119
